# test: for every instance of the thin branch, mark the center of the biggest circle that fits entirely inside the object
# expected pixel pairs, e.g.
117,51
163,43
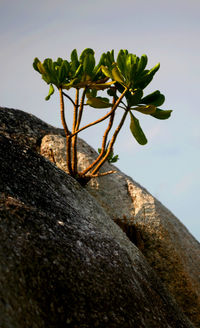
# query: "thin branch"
103,143
68,98
123,104
74,139
110,124
110,144
104,117
101,174
62,112
91,124
67,133
76,105
69,161
80,110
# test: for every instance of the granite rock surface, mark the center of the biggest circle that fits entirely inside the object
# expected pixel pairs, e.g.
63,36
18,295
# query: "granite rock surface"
64,261
167,245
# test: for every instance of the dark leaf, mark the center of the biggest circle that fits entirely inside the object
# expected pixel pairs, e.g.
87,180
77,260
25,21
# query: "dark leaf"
98,102
74,61
162,114
86,52
133,98
35,63
155,98
148,109
136,130
142,64
121,61
117,76
88,64
106,71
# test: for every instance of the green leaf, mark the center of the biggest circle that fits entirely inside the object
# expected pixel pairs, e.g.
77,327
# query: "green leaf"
117,76
50,70
133,98
129,61
49,65
102,60
106,71
131,66
162,114
71,84
110,57
102,86
91,93
121,61
146,77
74,56
85,53
136,130
143,82
155,98
59,61
148,109
62,72
98,102
133,69
154,70
41,68
88,64
112,92
113,159
35,63
79,71
66,64
142,64
51,91
46,78
119,87
74,61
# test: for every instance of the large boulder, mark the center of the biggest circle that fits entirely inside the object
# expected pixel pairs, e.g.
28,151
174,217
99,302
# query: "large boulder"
167,245
64,261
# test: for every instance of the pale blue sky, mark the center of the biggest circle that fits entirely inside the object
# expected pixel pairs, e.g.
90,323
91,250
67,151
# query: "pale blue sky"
167,31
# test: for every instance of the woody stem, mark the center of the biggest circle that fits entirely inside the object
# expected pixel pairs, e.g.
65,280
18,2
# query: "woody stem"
74,138
67,133
103,144
102,118
110,144
80,112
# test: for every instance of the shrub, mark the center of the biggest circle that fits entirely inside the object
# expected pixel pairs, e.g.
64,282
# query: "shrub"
124,80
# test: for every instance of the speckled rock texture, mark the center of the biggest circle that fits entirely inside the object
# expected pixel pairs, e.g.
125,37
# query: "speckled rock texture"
167,245
63,260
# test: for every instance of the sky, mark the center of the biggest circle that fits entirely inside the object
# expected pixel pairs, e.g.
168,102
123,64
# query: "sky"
167,32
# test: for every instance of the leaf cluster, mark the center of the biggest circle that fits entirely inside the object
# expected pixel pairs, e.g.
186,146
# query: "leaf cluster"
128,71
124,79
76,73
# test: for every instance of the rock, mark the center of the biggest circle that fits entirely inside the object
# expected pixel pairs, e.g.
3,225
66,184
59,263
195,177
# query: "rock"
25,128
167,245
64,262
